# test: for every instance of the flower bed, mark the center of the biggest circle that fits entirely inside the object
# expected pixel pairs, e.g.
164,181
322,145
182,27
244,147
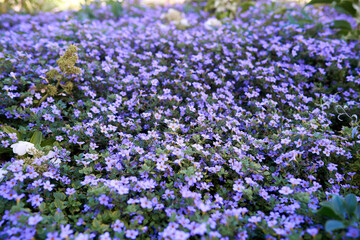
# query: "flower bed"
133,127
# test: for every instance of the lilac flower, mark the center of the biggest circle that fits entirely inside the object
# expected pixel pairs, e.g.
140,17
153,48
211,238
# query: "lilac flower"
70,191
82,236
286,190
53,236
352,232
188,124
104,200
312,231
145,203
295,181
35,200
238,187
66,231
254,219
168,194
105,236
200,229
117,226
132,234
332,167
180,235
48,186
33,220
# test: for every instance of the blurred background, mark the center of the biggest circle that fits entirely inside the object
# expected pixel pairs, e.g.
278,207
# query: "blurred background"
33,6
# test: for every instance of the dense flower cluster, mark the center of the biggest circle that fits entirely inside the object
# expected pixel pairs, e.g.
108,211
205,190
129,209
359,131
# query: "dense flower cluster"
221,132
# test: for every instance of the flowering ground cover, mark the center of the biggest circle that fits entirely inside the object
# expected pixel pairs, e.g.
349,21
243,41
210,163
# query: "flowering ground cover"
132,127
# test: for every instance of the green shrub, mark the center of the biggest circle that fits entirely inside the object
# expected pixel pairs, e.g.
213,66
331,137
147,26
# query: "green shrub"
341,214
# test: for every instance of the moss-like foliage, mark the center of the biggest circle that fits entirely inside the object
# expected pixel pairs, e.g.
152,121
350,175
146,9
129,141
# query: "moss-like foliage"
67,66
68,60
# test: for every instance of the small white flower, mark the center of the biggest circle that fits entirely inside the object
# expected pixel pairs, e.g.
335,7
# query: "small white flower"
198,147
53,159
22,147
286,190
51,154
2,173
212,23
56,161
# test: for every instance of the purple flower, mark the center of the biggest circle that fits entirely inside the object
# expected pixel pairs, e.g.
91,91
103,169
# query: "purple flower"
200,229
35,200
145,203
131,233
104,200
117,226
254,219
33,220
53,236
286,190
105,236
66,231
312,231
180,235
352,232
70,191
82,236
48,186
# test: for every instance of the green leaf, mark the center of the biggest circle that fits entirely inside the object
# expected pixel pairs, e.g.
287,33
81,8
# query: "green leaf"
357,212
58,216
96,224
328,212
103,227
342,24
5,150
59,204
116,7
36,138
350,204
332,225
245,6
106,216
59,195
130,209
320,2
346,7
354,132
115,215
47,142
295,236
338,205
42,207
291,18
305,15
9,129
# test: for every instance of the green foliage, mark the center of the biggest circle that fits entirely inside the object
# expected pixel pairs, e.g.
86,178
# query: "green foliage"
350,7
9,130
36,138
68,69
341,213
245,6
67,62
87,9
84,204
116,7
